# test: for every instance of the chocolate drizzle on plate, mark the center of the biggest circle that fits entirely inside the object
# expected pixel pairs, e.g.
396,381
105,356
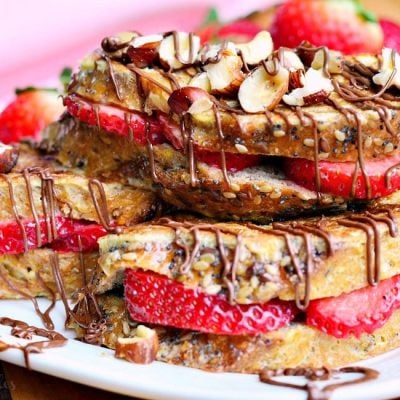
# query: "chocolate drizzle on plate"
317,374
22,330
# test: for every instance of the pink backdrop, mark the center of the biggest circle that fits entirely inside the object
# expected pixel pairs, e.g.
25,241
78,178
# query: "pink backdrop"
40,37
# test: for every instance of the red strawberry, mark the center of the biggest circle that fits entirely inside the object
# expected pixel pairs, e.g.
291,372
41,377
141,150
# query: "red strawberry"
391,32
156,299
68,231
339,24
212,30
234,162
358,312
239,31
113,120
337,177
28,114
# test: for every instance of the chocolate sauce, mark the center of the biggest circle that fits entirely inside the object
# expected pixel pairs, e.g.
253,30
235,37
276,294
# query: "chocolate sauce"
101,205
113,79
15,211
177,49
44,316
229,268
150,152
368,222
318,374
22,330
27,178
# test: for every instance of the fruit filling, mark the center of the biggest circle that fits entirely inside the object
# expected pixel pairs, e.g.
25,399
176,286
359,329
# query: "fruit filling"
361,311
156,299
337,178
72,235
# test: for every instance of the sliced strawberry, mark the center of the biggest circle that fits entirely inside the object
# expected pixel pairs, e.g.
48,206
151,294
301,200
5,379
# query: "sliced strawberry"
234,162
113,120
358,312
337,177
156,299
28,114
391,33
68,231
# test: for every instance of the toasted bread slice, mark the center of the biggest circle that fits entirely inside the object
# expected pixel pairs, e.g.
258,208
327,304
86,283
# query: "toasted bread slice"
30,273
281,132
296,345
301,260
259,193
72,198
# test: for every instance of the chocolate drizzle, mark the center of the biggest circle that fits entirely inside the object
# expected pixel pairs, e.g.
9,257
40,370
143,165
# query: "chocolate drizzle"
317,374
44,316
303,274
369,224
101,205
24,331
15,212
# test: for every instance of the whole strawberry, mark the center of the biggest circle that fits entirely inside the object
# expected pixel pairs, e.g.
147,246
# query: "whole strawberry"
28,114
239,31
342,25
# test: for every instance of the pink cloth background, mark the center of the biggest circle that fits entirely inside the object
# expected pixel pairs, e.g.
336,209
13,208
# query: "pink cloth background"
40,37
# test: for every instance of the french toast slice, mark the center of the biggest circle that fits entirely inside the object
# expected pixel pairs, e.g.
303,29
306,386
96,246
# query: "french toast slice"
260,193
300,260
283,131
296,345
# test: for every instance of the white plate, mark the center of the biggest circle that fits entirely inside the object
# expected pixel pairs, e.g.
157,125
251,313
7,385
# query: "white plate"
97,367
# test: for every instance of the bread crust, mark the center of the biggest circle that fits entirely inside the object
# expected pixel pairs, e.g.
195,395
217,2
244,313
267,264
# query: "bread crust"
257,194
258,132
296,345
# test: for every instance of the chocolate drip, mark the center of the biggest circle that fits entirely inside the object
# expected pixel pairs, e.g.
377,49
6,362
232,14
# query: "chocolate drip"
187,136
28,184
141,73
315,50
96,111
388,174
22,330
217,58
150,152
44,316
177,49
368,222
302,115
15,212
101,206
230,268
360,161
113,79
55,268
128,121
221,146
317,374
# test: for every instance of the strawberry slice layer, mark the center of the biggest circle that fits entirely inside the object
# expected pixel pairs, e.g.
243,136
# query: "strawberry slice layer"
358,312
113,120
155,299
337,177
68,233
234,162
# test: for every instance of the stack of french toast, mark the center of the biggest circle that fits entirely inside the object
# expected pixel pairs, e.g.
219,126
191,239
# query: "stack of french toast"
229,207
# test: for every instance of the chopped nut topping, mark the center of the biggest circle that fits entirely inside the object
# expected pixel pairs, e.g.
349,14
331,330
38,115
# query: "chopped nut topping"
141,349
